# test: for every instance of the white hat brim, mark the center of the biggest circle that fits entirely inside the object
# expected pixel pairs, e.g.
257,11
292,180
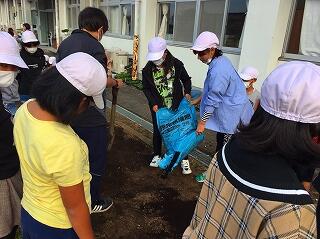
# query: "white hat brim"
13,60
98,100
154,56
198,48
244,77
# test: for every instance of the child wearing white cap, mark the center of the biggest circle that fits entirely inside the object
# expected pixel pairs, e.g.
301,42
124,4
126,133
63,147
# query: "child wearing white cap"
252,189
35,59
224,103
165,83
249,76
10,177
56,198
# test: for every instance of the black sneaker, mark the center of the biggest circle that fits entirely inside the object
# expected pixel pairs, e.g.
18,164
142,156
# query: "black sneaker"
101,205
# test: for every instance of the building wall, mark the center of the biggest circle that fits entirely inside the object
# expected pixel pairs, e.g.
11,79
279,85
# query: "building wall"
263,36
260,48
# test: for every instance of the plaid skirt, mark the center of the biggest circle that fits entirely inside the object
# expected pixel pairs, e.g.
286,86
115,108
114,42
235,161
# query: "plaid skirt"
10,203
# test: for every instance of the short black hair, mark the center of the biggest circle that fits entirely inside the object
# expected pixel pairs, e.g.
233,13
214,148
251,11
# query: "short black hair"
217,53
10,31
56,95
27,26
92,19
291,140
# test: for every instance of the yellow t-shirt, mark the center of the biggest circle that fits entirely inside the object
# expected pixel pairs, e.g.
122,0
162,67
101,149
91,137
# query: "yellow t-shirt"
51,154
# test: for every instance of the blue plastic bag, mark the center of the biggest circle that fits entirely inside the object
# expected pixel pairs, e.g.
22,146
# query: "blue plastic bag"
178,130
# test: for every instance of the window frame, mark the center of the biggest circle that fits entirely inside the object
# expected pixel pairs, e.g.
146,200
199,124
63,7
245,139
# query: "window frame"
291,56
196,28
120,3
69,7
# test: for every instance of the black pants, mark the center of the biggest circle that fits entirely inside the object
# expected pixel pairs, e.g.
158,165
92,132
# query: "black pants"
222,139
96,140
157,140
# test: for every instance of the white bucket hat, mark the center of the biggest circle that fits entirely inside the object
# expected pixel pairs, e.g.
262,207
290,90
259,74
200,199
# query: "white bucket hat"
156,48
28,36
9,51
86,74
204,41
291,92
249,73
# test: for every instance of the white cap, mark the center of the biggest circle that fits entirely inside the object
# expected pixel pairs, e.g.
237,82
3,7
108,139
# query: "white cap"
249,73
46,57
52,60
156,48
28,36
86,74
291,92
204,41
9,51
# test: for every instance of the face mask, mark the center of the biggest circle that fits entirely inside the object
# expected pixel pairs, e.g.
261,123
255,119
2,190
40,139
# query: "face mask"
31,49
209,61
7,78
246,84
158,62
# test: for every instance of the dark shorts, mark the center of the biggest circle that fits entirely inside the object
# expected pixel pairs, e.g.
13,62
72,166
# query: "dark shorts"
32,229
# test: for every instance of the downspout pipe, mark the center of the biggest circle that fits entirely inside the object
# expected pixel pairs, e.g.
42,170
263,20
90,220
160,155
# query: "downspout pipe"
135,62
57,22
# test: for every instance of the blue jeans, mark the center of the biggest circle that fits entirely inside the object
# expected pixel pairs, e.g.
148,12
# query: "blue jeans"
32,229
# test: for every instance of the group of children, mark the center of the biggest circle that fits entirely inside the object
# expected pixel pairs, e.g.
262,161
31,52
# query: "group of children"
251,188
20,90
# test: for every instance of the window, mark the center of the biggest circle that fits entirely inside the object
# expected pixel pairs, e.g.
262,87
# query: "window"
73,10
183,20
120,16
303,38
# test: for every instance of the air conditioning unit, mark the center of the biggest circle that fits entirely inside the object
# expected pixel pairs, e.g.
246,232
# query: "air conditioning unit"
119,59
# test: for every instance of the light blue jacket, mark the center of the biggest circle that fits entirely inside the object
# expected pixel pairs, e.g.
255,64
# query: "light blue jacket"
225,96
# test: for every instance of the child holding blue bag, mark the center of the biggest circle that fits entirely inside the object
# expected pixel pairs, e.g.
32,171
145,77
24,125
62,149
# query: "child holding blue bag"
165,83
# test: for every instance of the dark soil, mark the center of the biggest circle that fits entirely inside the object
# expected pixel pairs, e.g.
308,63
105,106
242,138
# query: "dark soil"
145,204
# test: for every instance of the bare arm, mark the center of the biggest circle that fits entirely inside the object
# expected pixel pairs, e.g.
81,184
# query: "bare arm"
111,82
73,199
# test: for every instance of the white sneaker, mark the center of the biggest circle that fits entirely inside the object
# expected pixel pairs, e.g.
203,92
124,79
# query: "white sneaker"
185,165
155,161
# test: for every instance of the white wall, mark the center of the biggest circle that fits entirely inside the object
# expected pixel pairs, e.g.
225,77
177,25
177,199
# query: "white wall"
264,35
114,42
195,68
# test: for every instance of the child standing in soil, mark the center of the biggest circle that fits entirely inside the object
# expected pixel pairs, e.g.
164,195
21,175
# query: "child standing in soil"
34,57
224,103
252,188
56,193
165,83
10,177
249,76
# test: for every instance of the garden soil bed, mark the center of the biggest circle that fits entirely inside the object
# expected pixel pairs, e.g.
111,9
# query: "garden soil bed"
145,204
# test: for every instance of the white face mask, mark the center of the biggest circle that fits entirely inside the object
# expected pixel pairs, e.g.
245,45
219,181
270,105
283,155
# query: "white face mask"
7,78
31,49
246,84
209,61
158,62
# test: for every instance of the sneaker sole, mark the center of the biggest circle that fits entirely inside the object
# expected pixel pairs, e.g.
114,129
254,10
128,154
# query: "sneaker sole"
186,173
106,209
153,165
